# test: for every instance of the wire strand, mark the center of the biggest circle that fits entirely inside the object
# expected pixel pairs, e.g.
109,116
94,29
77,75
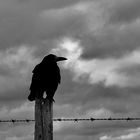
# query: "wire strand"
73,119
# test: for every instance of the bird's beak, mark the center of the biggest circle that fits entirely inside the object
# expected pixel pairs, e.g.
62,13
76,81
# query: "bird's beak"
60,59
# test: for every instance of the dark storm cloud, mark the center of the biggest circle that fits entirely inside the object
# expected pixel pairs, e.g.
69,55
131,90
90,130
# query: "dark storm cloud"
22,23
47,4
124,11
112,41
119,33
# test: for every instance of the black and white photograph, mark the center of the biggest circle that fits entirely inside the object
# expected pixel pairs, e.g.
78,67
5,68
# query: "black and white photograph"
69,69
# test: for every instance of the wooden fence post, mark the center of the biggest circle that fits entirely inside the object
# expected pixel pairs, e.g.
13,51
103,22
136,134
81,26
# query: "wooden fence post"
43,119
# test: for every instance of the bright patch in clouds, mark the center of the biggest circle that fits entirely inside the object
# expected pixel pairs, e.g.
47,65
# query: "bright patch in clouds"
70,49
106,70
17,58
15,66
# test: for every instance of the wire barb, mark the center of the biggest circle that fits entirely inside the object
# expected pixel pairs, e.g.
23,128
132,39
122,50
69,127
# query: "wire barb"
73,119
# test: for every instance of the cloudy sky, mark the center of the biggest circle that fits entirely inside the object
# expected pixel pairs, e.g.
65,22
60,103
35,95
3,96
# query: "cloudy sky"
100,38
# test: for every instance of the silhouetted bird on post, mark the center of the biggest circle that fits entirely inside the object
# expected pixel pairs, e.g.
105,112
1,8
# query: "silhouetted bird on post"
46,77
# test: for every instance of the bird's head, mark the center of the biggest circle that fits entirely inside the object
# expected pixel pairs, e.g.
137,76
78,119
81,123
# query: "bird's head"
53,58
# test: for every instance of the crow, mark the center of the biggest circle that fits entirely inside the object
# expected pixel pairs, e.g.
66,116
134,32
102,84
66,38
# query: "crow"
46,77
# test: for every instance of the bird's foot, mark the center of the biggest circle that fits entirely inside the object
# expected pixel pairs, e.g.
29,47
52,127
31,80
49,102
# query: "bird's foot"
50,99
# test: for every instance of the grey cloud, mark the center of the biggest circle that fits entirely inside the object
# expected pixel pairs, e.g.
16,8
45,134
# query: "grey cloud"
22,132
130,70
114,39
15,72
21,23
97,95
111,41
47,4
124,11
4,70
88,129
74,137
15,94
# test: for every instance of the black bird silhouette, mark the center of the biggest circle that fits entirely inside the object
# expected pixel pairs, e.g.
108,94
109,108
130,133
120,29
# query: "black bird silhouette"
46,77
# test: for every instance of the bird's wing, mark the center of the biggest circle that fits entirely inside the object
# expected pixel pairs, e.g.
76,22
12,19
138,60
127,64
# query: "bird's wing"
36,69
34,82
58,74
35,78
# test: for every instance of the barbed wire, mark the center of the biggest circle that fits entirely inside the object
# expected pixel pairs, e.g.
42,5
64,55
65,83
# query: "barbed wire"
72,119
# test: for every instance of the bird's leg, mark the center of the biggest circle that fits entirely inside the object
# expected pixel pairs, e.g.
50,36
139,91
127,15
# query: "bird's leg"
51,99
